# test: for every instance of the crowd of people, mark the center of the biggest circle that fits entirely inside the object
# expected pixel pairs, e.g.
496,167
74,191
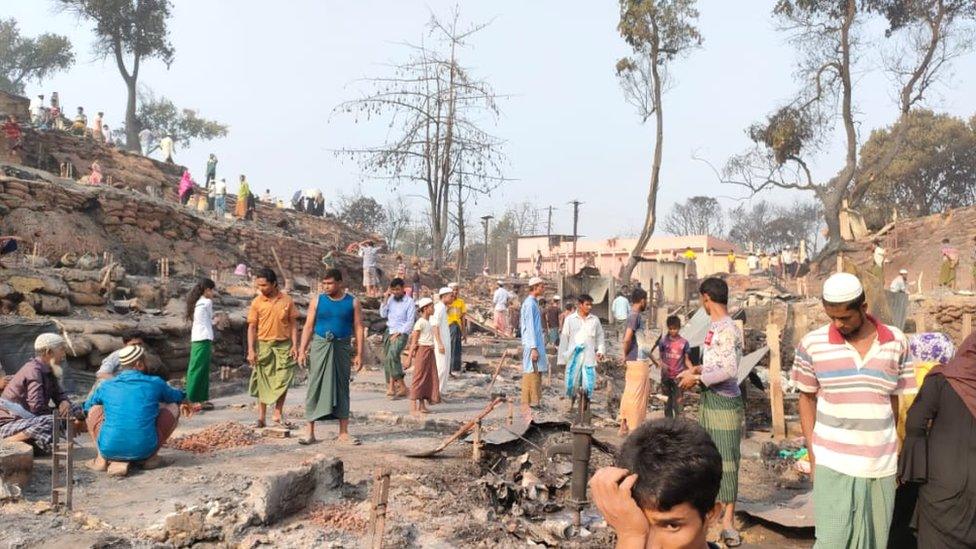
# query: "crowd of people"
885,416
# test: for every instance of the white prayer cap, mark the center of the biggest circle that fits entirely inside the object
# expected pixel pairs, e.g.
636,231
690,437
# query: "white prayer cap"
501,282
453,285
903,271
535,281
131,354
424,302
556,298
46,342
444,291
842,288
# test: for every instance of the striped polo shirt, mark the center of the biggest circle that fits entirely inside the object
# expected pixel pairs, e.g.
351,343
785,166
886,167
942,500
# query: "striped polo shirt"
855,429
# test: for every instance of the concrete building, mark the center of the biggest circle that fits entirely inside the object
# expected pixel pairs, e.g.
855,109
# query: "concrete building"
609,255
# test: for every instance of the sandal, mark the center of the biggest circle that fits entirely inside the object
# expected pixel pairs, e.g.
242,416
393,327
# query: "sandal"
207,406
260,424
348,440
306,441
730,538
283,424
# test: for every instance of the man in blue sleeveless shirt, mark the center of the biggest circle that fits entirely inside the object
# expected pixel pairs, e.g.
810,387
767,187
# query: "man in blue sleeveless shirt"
334,317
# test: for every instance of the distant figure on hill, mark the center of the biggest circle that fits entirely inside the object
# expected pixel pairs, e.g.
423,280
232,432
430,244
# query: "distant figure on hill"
950,260
97,128
168,147
145,137
220,197
243,193
80,123
211,168
96,173
186,187
107,135
11,129
267,197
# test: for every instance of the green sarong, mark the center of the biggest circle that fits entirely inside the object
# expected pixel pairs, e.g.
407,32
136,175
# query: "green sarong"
329,364
947,274
198,371
721,417
273,372
392,362
851,512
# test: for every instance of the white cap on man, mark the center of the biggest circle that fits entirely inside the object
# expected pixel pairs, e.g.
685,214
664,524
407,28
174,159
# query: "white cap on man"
556,298
535,281
424,302
48,342
842,288
903,272
444,291
453,285
500,282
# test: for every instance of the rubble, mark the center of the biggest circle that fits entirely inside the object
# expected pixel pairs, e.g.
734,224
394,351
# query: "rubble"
346,516
228,434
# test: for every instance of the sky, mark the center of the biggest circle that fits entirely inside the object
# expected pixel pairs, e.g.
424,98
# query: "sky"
274,71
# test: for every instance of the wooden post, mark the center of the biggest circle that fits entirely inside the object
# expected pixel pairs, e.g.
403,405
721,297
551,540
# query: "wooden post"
919,322
840,262
476,443
381,493
662,318
967,325
775,382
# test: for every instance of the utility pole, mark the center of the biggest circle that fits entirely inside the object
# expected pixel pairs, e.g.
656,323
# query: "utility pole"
549,226
576,205
484,221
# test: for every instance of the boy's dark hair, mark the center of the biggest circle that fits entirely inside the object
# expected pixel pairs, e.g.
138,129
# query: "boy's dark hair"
584,298
569,306
267,274
676,462
637,296
716,289
332,274
396,283
673,322
852,305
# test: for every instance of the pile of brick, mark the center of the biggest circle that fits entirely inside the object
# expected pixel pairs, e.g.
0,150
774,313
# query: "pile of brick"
220,436
337,516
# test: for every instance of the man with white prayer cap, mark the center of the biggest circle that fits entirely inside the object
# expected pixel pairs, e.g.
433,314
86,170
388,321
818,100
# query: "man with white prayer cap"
26,411
442,336
850,373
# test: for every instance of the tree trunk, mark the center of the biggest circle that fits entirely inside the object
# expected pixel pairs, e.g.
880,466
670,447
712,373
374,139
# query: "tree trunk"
650,218
131,123
460,225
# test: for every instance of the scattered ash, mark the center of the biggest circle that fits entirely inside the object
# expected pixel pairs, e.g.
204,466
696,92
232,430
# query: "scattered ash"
344,516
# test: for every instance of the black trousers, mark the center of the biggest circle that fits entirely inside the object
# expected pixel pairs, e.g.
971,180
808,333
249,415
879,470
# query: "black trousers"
455,348
671,390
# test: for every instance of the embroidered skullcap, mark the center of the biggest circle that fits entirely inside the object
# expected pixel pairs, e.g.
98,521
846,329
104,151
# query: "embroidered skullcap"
45,342
842,288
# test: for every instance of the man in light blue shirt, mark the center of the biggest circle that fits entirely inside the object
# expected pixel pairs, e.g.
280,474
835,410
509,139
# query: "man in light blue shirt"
620,309
533,346
400,312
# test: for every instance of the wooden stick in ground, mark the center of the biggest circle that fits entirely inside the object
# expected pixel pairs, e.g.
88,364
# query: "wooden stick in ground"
381,492
463,430
498,369
775,386
281,269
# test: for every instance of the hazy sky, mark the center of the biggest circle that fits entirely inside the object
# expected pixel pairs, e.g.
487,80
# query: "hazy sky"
274,71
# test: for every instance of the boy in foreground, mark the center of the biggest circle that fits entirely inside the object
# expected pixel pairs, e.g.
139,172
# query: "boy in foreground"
663,494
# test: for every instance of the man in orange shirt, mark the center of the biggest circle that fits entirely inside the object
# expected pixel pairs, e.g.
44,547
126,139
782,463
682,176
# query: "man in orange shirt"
272,346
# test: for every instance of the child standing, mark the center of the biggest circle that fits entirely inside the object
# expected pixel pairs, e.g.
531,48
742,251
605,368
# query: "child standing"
673,350
426,386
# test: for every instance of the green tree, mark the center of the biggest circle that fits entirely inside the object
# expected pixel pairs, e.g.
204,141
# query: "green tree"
162,117
658,32
934,170
130,32
25,59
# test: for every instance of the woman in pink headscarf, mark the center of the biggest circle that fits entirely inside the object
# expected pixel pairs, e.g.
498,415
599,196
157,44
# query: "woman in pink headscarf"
186,187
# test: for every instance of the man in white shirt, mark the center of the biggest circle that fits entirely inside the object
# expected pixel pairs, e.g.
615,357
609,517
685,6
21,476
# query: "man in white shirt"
900,283
371,272
752,262
442,349
145,136
582,344
620,310
168,147
500,301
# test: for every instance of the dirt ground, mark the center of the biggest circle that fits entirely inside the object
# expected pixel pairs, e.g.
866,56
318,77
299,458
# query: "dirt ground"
512,498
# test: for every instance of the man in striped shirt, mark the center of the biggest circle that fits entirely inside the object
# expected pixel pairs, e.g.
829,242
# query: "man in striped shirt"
850,373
